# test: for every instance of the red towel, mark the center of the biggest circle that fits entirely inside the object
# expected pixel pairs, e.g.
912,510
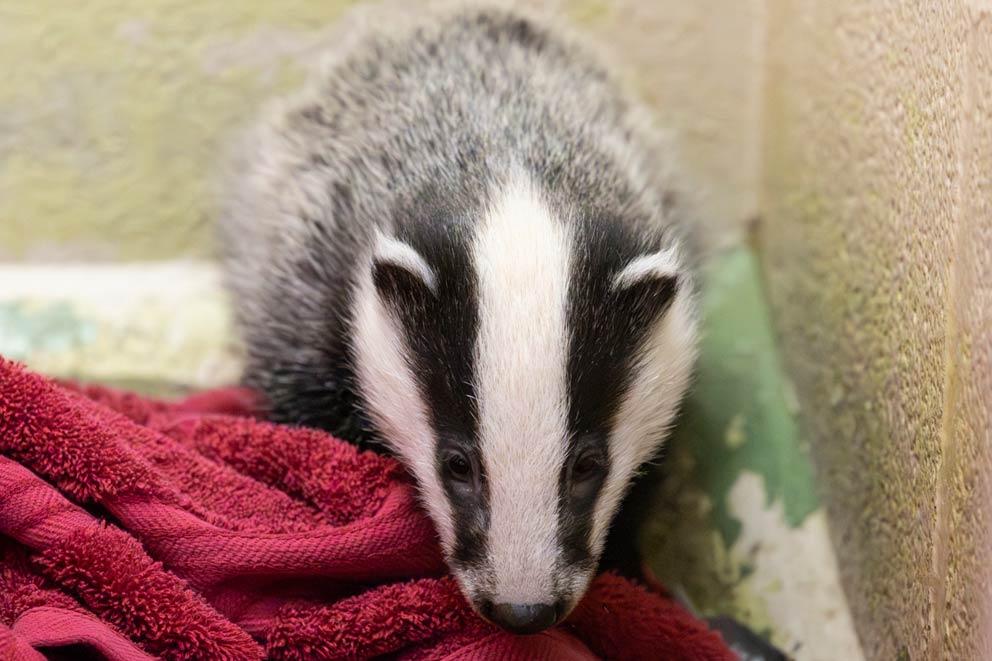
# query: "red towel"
191,530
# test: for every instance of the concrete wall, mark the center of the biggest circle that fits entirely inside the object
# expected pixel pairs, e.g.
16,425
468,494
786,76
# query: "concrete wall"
877,242
113,112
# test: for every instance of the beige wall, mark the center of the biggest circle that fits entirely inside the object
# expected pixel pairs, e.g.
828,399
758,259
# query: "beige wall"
113,113
700,65
877,240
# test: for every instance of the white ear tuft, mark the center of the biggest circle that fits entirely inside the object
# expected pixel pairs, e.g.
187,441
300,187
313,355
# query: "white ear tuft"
661,264
393,252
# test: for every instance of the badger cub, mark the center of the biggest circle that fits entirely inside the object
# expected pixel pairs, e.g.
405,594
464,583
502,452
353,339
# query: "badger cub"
462,240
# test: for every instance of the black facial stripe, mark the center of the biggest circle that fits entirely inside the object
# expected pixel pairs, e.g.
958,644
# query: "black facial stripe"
441,327
607,327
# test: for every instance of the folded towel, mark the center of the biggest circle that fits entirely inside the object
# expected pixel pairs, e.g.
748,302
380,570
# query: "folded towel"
134,528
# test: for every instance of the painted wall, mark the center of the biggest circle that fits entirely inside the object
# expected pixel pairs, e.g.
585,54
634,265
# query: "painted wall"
877,242
113,113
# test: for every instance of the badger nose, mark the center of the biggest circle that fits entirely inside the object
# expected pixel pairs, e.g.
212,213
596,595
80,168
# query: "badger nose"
523,618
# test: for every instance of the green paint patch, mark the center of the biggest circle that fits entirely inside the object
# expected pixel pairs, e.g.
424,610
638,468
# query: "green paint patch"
27,328
738,416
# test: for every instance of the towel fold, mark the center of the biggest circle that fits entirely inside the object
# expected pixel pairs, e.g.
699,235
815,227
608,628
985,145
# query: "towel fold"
134,528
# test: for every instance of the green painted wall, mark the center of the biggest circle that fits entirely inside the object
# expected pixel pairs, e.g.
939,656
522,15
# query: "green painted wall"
735,521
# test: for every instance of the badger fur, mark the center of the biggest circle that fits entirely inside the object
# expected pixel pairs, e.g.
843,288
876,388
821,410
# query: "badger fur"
463,240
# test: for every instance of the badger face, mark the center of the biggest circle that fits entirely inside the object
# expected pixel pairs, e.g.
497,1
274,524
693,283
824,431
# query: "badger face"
523,363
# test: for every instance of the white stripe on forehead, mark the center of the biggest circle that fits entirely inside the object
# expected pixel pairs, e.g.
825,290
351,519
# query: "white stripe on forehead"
522,255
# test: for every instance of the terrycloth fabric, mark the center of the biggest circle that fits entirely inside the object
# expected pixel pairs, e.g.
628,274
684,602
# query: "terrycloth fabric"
191,530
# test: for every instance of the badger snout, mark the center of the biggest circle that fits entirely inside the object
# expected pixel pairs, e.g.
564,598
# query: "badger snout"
522,618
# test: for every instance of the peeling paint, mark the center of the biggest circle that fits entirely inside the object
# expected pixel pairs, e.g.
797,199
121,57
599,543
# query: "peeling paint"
738,415
161,326
791,564
736,481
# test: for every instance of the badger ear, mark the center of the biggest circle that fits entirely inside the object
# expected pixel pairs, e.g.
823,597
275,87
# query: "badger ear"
648,283
399,272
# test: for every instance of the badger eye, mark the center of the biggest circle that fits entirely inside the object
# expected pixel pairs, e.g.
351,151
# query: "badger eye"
586,467
458,467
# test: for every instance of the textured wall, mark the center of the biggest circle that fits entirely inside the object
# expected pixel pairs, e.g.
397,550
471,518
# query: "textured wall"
113,113
700,65
877,240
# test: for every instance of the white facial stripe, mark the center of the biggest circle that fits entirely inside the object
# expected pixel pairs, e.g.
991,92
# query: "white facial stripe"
394,401
522,258
664,263
649,405
394,251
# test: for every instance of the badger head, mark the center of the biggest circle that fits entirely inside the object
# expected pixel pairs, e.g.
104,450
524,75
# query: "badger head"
523,364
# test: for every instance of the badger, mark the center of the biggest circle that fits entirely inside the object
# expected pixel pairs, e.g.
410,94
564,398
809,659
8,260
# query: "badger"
464,241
